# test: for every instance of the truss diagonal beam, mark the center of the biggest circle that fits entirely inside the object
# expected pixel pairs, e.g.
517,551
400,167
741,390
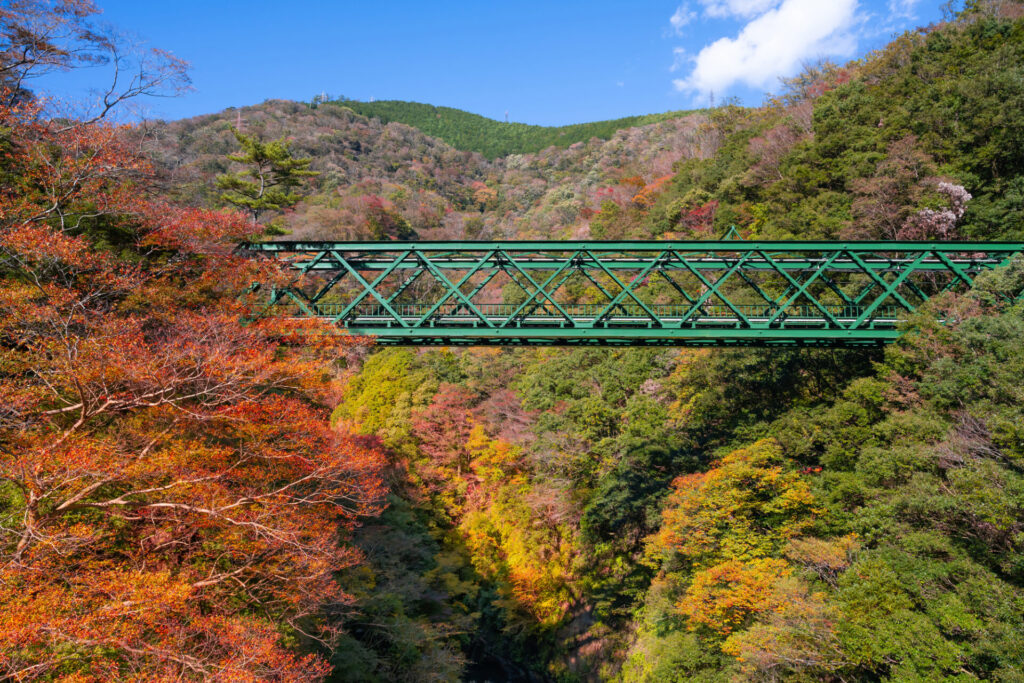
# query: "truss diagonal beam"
539,290
890,290
453,290
886,292
406,284
369,289
712,289
626,289
569,272
801,289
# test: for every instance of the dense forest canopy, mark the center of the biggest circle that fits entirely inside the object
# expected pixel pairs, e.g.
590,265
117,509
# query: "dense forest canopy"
293,511
475,133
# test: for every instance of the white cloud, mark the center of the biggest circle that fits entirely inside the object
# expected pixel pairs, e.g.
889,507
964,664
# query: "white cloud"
720,9
774,44
903,9
678,59
681,18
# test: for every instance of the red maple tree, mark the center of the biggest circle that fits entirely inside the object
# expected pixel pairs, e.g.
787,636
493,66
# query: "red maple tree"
170,491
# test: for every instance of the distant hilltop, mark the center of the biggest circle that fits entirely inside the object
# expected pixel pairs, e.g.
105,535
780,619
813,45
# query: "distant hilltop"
472,132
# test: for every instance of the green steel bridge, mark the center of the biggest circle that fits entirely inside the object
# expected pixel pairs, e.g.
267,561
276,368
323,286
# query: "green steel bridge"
631,293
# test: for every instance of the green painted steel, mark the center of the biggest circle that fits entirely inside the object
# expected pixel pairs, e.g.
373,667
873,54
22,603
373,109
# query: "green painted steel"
631,293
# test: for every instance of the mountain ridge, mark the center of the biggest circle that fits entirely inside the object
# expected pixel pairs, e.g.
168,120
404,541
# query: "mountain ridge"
467,131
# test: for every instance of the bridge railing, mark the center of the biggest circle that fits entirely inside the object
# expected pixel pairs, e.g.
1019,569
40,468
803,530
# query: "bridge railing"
625,314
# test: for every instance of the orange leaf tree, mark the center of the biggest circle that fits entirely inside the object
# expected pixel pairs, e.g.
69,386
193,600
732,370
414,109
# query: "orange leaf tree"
170,491
726,527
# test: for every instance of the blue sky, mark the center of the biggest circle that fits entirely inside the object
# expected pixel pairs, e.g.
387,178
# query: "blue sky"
548,63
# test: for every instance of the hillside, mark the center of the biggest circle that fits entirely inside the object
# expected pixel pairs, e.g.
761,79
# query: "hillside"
475,133
334,511
374,173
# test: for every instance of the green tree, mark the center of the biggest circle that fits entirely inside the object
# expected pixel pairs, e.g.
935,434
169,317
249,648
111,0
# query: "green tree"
271,179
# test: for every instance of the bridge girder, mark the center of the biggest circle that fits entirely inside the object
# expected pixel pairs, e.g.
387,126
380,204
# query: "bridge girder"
632,293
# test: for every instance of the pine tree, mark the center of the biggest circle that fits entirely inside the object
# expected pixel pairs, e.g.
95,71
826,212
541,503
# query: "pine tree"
271,179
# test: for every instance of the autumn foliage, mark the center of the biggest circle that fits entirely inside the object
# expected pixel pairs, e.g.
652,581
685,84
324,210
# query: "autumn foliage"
174,505
170,491
726,525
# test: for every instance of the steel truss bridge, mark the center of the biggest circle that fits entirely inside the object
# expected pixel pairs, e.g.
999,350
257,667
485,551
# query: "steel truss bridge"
633,293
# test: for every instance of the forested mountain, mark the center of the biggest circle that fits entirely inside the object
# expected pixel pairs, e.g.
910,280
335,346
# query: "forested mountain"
476,133
390,179
518,514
